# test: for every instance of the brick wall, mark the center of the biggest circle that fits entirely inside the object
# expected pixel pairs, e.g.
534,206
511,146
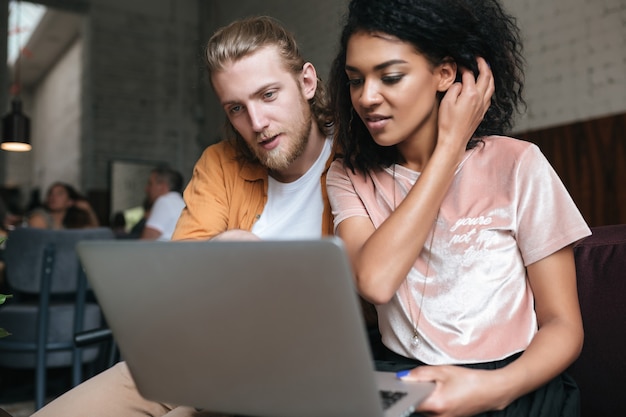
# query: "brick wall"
576,54
141,82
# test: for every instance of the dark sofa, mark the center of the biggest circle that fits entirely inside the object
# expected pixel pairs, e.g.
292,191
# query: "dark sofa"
600,371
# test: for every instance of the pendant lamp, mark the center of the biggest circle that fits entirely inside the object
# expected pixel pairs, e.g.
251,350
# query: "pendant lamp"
15,125
16,129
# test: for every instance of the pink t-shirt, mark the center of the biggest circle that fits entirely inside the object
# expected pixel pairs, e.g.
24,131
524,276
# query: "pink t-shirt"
505,209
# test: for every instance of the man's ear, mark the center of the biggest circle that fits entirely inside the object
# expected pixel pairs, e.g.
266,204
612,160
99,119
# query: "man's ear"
447,74
308,80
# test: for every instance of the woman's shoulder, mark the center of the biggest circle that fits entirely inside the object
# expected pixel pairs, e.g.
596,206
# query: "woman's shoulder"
364,183
507,148
507,142
338,169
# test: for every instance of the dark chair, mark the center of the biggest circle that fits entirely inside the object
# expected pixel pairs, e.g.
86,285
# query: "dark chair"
50,303
600,371
102,336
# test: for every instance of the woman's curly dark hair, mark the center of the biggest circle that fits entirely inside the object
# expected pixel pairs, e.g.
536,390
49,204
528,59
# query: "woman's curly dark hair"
439,29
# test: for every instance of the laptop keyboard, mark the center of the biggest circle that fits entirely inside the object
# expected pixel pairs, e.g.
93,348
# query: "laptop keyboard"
389,398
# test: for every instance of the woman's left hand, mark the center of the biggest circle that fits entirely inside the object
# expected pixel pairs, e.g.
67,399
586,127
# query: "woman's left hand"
464,105
460,391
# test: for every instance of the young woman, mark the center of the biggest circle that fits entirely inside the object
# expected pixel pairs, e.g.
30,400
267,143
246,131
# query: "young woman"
460,237
65,208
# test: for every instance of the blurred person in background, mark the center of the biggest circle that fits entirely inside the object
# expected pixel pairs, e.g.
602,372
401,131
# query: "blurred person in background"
164,197
64,208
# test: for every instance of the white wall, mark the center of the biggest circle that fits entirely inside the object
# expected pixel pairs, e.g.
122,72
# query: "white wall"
58,110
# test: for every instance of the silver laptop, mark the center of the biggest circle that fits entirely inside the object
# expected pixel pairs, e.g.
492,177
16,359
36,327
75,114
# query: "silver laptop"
269,328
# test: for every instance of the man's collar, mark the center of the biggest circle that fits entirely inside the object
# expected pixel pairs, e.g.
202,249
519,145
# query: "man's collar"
253,171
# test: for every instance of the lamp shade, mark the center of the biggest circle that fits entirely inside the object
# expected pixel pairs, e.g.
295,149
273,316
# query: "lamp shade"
16,129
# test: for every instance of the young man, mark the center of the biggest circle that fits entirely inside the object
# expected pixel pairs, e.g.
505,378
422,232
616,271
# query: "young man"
265,180
163,193
267,176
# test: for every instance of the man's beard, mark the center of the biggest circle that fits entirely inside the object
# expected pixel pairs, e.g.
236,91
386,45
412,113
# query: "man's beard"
289,150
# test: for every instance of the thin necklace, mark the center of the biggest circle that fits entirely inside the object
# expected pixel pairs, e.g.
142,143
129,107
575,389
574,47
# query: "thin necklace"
415,338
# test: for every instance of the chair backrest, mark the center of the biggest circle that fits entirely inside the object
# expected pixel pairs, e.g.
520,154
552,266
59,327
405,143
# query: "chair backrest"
24,257
600,371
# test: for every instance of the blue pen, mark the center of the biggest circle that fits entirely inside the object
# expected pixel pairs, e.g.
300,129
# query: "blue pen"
402,374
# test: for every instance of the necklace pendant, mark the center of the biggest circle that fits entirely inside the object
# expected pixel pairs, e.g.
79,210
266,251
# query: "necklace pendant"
415,339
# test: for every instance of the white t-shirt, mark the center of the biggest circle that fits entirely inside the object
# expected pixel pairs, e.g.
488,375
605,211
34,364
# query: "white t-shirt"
165,213
294,210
